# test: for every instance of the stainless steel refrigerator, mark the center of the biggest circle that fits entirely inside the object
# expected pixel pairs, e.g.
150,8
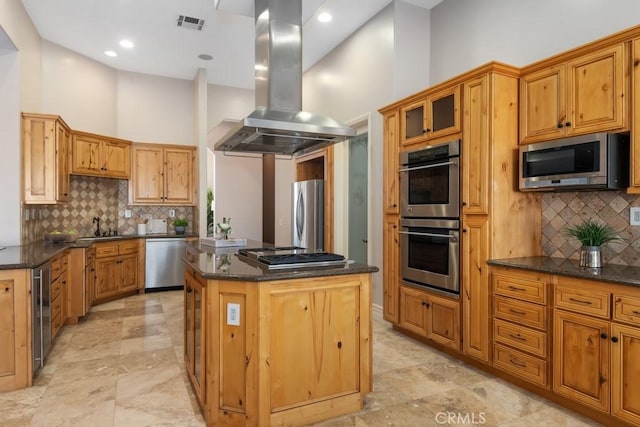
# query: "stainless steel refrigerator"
308,214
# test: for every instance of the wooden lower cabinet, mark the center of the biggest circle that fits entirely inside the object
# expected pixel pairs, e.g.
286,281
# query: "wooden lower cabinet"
194,333
285,352
116,269
625,373
596,354
434,317
475,288
581,359
391,278
15,333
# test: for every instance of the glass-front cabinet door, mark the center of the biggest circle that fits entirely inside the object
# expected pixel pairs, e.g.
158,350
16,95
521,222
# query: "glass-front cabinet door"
436,115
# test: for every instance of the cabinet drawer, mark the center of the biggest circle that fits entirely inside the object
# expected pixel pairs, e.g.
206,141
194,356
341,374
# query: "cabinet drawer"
521,365
56,267
522,313
56,289
626,309
56,307
530,287
56,324
105,250
128,247
583,301
525,339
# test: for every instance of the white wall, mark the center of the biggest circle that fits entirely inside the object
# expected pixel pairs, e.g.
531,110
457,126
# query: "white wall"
469,33
80,90
20,90
356,79
411,39
155,109
10,161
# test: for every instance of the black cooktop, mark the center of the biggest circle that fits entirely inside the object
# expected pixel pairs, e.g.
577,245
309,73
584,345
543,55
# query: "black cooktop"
291,257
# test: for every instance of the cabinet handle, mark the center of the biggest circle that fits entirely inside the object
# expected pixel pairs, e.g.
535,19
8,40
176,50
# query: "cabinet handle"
189,290
518,337
567,124
603,336
560,126
518,312
614,339
517,363
579,301
636,312
515,288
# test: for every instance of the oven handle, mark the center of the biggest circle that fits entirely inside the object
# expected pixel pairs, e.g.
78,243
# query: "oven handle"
435,165
413,233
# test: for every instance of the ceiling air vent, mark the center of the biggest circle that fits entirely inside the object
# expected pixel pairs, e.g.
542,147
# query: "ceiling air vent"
190,22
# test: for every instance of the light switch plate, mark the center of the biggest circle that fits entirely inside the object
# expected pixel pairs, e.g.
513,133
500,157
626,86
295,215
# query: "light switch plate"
634,216
172,213
233,314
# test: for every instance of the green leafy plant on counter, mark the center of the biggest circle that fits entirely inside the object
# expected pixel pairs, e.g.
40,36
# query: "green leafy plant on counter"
590,233
180,222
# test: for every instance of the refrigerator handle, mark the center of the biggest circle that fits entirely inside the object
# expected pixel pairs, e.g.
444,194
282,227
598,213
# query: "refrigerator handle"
300,216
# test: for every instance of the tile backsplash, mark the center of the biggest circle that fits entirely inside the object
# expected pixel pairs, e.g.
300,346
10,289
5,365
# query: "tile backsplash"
563,209
93,197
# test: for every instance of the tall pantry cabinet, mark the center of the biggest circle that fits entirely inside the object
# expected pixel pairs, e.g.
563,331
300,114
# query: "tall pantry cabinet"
497,220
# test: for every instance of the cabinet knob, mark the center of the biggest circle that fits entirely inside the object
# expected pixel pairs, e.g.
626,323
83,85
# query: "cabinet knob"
614,339
603,336
464,203
560,125
464,230
427,130
425,304
567,124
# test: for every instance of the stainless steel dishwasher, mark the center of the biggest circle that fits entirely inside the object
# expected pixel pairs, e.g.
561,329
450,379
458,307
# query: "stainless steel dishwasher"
164,266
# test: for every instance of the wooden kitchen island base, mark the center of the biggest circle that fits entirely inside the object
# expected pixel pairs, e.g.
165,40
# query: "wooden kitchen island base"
278,352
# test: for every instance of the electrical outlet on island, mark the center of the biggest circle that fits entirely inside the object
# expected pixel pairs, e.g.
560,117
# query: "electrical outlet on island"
634,216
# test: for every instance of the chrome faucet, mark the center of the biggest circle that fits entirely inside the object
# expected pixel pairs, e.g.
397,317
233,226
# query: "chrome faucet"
96,220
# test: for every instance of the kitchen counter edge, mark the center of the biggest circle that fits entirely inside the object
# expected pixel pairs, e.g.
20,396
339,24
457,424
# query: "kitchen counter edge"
37,253
223,264
614,273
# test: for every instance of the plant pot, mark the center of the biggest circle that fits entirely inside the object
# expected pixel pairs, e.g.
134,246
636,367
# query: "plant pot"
180,229
591,256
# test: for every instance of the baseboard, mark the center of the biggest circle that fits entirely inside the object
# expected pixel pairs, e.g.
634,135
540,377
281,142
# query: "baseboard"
376,312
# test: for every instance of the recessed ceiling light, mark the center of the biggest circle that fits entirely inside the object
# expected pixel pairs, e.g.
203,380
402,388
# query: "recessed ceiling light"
128,44
205,57
325,17
110,53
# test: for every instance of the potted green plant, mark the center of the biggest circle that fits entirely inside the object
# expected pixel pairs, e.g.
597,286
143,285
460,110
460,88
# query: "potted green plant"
592,236
180,225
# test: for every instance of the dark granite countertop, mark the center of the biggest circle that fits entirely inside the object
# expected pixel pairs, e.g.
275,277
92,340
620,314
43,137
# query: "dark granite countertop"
37,253
621,274
224,264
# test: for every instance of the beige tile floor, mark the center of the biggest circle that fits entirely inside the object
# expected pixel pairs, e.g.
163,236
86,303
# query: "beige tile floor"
123,366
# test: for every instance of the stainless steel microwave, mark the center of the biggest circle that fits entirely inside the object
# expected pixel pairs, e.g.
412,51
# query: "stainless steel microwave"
598,161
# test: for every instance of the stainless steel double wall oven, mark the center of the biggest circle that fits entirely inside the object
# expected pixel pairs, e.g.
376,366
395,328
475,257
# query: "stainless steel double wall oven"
430,224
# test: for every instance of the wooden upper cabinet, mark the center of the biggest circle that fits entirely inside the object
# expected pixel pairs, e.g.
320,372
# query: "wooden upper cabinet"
96,155
475,155
437,115
583,95
45,147
391,189
163,174
635,120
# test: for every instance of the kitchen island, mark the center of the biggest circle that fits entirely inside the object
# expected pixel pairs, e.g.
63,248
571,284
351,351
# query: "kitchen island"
286,347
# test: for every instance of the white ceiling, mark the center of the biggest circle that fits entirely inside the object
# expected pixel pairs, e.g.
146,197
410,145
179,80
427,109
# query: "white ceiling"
161,48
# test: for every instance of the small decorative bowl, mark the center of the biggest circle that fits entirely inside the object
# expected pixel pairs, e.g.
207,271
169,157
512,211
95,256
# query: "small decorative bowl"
61,237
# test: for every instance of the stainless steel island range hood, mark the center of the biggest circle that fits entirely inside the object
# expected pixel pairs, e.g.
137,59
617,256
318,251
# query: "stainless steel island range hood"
278,126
